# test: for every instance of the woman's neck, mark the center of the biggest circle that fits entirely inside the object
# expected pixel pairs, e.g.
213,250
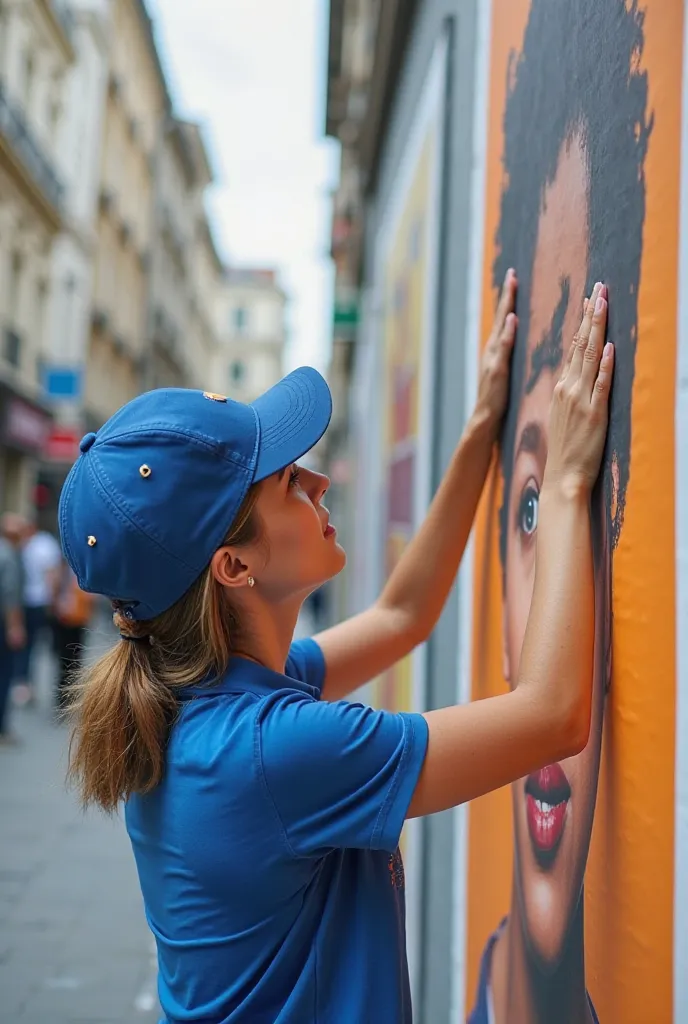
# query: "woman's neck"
522,993
269,634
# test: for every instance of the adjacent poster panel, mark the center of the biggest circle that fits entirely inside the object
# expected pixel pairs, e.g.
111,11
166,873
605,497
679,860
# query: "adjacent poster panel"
406,279
570,875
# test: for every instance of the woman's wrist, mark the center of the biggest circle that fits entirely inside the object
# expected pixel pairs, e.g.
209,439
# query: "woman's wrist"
483,424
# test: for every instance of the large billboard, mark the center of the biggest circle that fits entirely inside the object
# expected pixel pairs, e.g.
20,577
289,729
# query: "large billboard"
569,877
404,305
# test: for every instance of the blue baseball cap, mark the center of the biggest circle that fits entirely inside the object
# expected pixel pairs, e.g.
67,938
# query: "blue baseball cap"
153,493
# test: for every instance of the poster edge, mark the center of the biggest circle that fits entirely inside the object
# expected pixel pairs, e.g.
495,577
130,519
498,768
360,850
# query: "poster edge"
476,249
680,957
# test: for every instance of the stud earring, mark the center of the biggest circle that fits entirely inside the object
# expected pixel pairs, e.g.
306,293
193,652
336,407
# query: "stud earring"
251,582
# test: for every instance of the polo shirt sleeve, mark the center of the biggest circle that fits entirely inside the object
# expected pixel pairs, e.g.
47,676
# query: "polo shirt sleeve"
338,775
306,662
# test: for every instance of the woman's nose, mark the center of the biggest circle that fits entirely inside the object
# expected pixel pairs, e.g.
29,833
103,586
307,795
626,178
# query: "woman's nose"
320,486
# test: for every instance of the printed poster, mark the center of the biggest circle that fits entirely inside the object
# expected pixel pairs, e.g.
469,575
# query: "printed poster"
570,900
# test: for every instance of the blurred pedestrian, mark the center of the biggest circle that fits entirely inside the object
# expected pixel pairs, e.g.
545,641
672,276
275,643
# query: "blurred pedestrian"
72,613
41,558
264,810
12,632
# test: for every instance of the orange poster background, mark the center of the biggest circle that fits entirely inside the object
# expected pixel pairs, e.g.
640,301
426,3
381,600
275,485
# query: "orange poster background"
629,882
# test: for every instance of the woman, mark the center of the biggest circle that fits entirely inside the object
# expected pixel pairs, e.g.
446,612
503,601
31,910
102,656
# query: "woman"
264,811
565,187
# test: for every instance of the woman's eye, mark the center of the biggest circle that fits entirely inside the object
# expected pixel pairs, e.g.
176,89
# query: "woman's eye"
294,476
528,511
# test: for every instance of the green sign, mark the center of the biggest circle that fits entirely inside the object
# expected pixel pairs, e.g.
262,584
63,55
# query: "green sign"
346,313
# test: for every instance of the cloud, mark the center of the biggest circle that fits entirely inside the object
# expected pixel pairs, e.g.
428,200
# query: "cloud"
253,72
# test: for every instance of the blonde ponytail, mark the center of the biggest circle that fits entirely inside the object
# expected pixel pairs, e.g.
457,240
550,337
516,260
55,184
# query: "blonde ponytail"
125,704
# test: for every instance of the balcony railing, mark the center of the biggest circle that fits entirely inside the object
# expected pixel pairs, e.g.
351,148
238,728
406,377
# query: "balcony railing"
15,129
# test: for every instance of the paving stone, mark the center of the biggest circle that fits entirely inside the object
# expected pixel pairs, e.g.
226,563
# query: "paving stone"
74,945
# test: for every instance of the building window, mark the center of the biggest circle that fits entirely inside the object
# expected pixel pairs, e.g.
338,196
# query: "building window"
29,75
240,319
54,114
39,315
12,347
237,372
14,286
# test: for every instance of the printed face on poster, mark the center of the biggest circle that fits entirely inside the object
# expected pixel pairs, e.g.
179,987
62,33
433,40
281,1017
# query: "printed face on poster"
570,873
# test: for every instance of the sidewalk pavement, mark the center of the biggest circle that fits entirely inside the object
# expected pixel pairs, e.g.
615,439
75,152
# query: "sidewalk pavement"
74,944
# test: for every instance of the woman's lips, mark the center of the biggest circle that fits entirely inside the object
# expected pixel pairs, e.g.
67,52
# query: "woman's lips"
329,530
547,797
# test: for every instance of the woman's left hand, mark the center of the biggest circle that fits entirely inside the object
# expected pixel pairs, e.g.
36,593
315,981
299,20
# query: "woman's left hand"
493,389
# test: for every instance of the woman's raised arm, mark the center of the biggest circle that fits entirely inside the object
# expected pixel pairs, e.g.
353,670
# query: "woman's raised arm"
481,746
415,594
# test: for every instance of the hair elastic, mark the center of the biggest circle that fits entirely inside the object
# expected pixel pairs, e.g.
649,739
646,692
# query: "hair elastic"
135,639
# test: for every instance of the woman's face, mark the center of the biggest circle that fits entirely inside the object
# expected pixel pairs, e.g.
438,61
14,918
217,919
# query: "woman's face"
553,808
298,549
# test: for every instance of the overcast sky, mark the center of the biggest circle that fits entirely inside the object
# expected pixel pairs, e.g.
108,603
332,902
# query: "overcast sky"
253,72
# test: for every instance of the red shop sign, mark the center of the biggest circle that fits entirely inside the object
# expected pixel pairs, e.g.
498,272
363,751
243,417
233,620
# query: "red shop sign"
62,445
25,426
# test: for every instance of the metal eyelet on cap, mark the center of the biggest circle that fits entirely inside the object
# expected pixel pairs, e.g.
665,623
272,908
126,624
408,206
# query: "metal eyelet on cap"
145,471
92,541
212,396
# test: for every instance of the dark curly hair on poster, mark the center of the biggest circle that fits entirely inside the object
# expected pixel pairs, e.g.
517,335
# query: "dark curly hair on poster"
579,73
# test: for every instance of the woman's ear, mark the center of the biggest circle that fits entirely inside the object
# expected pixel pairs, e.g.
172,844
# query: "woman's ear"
228,569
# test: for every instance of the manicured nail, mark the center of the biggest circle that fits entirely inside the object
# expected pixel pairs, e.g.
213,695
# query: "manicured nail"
599,305
607,350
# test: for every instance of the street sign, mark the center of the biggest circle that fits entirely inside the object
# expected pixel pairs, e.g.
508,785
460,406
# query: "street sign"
62,382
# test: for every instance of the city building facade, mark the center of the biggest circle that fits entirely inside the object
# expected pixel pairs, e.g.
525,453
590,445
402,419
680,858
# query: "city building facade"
455,157
207,271
250,356
111,280
352,39
183,293
36,56
68,329
136,275
136,109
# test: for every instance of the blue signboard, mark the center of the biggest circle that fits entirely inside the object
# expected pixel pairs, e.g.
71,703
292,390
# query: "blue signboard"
62,382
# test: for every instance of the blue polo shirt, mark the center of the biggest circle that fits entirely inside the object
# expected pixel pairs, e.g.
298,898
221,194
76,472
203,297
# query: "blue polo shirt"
268,856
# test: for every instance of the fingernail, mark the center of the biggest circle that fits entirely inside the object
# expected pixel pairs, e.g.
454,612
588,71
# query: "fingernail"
606,354
603,291
599,305
510,272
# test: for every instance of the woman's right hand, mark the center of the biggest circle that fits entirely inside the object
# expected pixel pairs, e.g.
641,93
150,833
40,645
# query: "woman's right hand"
580,403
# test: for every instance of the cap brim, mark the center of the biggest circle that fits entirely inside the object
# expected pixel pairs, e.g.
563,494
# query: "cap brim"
293,416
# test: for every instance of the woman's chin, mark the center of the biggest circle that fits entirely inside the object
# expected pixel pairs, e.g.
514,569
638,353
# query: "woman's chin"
339,559
545,926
